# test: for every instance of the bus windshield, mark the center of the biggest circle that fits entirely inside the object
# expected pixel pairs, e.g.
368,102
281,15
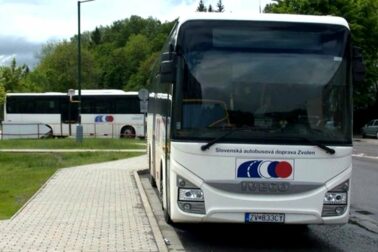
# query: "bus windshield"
284,81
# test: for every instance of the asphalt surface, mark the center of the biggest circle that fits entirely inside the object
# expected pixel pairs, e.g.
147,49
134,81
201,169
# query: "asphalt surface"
364,192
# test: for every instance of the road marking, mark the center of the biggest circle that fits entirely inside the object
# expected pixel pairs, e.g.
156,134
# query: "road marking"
361,155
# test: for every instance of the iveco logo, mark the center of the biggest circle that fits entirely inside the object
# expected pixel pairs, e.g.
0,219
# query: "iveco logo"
264,187
265,169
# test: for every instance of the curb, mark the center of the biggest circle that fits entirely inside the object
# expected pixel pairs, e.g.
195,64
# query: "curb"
361,155
162,247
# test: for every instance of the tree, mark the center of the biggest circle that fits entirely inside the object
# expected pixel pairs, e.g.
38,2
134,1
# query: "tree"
220,6
57,70
210,9
11,77
136,51
139,79
2,99
96,37
201,7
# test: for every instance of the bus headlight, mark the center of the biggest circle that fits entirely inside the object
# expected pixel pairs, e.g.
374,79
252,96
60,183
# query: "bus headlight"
190,194
335,200
190,198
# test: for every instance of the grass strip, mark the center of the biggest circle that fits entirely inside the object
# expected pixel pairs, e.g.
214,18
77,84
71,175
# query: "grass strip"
70,143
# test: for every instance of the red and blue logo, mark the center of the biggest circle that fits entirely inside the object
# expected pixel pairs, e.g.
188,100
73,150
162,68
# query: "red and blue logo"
266,169
104,118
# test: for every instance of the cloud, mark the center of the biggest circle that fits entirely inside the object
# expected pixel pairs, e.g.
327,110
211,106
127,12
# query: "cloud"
26,24
41,20
30,2
14,47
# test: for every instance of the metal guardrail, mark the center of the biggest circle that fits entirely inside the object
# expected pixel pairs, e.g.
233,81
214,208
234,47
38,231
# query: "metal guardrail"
24,130
40,130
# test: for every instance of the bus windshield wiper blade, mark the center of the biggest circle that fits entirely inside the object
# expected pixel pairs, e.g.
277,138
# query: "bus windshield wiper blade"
212,142
320,145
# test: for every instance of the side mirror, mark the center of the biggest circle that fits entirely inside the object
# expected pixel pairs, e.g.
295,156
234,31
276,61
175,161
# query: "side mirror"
358,68
168,68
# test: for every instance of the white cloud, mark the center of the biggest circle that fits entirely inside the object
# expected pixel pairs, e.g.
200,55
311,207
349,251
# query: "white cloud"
6,59
38,21
41,20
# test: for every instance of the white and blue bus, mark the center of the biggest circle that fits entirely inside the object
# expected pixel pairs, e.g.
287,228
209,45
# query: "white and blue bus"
104,113
250,119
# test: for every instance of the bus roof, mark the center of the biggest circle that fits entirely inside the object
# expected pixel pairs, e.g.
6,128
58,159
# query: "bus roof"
83,92
265,17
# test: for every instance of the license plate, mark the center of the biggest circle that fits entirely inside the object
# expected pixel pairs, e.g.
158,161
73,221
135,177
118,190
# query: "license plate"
265,217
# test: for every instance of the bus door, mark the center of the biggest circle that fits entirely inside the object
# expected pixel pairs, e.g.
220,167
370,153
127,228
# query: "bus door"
69,116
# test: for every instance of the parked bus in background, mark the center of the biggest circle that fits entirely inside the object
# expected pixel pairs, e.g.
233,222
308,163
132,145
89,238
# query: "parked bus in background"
250,119
104,113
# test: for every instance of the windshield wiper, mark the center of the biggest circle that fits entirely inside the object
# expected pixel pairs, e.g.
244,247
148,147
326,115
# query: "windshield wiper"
320,145
312,142
212,142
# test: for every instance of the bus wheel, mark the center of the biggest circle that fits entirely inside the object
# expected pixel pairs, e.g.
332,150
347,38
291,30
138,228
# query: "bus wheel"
128,132
167,218
151,178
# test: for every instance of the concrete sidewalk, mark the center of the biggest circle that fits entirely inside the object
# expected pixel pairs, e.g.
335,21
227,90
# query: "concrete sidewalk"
86,208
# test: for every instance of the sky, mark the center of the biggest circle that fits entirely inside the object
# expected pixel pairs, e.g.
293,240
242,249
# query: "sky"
26,25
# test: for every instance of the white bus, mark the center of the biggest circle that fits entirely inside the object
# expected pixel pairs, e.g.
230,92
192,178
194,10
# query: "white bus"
250,119
104,113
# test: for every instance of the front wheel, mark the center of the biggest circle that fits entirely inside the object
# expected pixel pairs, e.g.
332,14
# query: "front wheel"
151,177
167,217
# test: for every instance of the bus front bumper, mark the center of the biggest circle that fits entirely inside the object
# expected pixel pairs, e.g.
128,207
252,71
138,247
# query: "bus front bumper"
227,207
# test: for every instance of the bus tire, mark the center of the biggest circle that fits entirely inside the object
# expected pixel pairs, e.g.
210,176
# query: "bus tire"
167,217
151,178
128,132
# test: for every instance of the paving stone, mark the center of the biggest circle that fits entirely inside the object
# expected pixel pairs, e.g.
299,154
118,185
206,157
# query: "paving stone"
86,208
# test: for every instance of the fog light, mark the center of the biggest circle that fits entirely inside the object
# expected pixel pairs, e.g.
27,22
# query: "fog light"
194,207
190,194
335,198
187,207
333,210
339,210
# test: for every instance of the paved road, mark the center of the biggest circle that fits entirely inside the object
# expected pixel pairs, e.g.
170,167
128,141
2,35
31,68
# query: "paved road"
367,147
365,186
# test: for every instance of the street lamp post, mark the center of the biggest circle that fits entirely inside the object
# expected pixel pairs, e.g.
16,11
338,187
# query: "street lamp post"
79,127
